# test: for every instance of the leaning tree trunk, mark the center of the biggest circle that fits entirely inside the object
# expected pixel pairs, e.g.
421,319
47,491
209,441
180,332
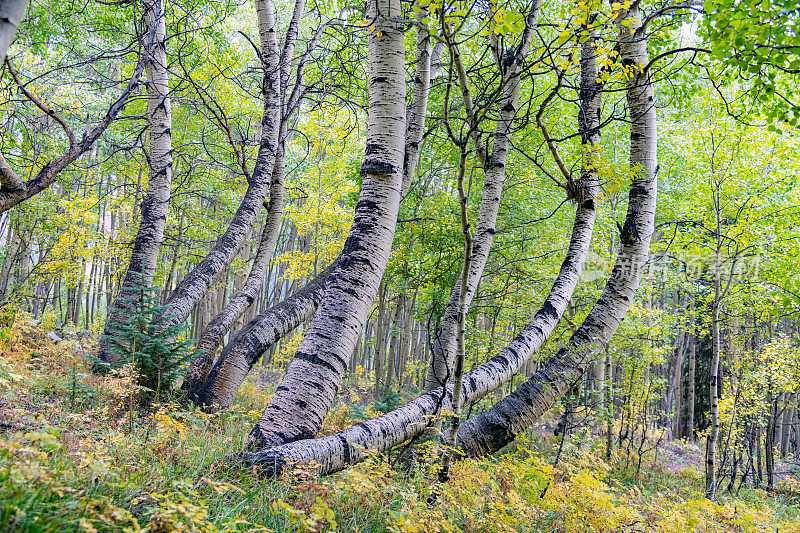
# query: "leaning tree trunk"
183,299
494,166
312,378
245,349
155,206
203,356
496,427
380,434
219,326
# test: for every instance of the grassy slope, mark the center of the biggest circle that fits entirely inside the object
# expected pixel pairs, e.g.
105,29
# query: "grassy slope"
74,458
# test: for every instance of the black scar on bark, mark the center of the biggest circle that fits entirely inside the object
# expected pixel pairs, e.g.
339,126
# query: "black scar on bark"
374,165
501,359
315,360
346,450
548,310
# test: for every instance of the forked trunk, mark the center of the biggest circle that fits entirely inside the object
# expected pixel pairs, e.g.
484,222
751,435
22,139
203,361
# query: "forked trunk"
444,347
183,299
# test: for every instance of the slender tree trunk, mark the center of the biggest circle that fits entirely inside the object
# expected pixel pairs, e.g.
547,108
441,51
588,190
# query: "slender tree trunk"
380,345
155,206
201,278
769,439
786,422
494,176
270,326
11,13
690,394
259,335
496,427
211,338
608,404
393,338
451,440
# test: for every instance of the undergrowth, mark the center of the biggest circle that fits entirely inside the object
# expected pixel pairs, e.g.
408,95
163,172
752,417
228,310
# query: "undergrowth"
73,459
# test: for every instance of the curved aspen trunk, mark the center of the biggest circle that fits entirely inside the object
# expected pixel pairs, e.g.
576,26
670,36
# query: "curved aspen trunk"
494,169
11,13
155,205
245,349
415,118
496,427
210,339
203,356
312,379
183,299
353,445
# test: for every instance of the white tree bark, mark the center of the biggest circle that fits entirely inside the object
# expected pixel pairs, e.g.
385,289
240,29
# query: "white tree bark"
496,427
494,170
244,350
415,119
312,379
183,299
11,13
155,205
210,339
213,334
248,345
380,434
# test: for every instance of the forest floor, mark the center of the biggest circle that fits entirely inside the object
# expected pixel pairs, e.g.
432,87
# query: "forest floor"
74,456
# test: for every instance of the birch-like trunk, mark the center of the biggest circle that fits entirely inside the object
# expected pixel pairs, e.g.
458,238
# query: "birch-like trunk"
155,205
494,167
203,357
183,299
256,338
245,349
496,427
380,434
415,118
313,377
11,13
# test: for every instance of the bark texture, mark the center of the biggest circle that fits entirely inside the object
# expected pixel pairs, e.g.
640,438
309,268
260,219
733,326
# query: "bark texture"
203,356
11,13
245,349
494,171
496,427
183,299
312,378
415,119
155,205
353,445
248,345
